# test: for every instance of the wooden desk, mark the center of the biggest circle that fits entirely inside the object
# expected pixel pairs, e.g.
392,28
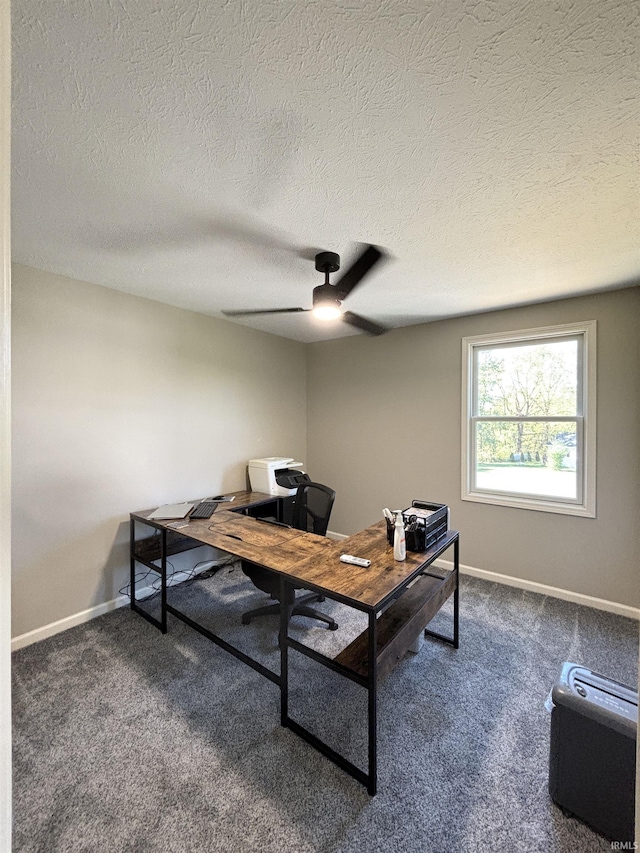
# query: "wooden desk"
276,548
399,598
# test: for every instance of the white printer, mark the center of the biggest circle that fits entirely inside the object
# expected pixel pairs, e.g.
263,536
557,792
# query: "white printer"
276,475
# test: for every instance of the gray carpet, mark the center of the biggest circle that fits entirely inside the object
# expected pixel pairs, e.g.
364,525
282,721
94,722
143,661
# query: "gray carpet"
127,740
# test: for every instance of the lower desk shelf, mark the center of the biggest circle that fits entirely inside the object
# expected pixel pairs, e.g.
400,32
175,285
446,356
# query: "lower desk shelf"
147,550
399,625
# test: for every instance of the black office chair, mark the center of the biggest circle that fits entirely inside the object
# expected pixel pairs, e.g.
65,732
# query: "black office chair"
311,510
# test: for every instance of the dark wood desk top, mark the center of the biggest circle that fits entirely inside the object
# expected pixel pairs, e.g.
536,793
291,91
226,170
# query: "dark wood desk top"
305,558
269,545
241,500
369,587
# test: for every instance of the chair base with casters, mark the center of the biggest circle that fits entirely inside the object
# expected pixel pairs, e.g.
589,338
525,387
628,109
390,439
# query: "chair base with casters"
311,510
297,608
263,579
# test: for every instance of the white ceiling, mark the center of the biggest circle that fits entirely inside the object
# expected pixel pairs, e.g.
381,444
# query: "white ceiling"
197,152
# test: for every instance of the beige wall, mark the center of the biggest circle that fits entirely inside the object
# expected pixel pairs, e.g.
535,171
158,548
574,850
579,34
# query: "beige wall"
384,419
121,403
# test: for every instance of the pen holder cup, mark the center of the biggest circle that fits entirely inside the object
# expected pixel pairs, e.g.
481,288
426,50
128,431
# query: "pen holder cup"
390,531
415,539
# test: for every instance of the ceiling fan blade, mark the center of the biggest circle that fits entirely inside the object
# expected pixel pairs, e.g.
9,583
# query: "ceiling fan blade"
266,241
358,269
362,323
266,311
252,233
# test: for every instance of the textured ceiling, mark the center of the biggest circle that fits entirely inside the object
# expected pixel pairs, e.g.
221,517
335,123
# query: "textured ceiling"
197,152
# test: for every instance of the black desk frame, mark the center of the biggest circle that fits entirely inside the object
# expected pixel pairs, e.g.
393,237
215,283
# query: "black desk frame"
165,607
369,682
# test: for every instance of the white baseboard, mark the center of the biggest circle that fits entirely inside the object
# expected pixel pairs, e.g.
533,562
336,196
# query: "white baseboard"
337,536
532,586
544,589
86,615
68,622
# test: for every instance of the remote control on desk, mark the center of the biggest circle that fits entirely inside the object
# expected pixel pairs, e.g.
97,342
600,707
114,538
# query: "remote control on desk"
355,561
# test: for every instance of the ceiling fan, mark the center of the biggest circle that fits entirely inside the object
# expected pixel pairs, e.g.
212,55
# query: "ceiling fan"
328,298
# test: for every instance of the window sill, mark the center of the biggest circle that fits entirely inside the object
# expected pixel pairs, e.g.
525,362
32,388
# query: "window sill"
523,502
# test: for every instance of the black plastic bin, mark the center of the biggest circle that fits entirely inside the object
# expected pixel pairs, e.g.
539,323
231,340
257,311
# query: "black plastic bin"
592,757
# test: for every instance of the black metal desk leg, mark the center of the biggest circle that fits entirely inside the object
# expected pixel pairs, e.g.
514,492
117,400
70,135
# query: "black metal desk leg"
372,786
454,575
284,653
456,594
132,568
163,579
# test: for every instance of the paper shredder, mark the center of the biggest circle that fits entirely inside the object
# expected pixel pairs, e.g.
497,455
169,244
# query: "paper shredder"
592,758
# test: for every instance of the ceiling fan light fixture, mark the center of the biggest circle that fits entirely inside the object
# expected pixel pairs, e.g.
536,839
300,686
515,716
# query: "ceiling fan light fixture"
329,310
326,305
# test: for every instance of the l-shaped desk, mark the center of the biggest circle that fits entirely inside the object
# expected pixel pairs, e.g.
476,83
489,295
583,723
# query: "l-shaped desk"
399,598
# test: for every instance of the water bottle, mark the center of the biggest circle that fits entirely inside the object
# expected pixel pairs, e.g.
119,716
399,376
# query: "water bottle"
399,543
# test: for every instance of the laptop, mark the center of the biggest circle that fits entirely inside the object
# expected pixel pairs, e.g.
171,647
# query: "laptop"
171,511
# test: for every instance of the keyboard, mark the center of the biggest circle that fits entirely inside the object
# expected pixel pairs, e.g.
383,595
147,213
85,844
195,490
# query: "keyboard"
204,509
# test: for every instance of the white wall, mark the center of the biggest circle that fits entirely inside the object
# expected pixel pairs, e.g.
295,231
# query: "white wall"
5,429
121,403
384,428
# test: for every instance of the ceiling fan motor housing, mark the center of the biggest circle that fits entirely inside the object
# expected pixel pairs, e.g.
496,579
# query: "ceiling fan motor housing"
325,294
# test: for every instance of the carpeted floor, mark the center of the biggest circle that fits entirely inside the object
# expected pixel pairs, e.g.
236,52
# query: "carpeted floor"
127,740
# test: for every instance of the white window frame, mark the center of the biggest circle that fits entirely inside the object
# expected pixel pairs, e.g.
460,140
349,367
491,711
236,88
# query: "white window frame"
585,418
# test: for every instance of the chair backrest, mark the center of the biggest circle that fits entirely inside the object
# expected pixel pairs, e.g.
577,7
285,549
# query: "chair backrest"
312,507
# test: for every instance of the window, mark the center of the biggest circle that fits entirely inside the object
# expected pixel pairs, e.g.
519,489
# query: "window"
528,422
